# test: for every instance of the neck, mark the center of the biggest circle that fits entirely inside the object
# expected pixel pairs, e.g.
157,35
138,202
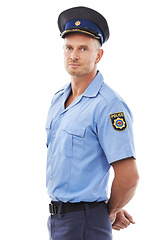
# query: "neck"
80,83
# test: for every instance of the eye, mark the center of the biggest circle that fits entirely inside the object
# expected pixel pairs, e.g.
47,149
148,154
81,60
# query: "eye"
83,49
68,48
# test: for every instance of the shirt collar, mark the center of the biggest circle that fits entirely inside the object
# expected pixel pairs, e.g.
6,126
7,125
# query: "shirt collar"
93,88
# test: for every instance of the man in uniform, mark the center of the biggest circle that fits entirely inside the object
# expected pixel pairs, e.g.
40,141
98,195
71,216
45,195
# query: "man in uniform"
89,129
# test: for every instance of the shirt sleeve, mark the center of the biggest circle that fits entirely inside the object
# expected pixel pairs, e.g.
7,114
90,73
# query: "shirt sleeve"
115,131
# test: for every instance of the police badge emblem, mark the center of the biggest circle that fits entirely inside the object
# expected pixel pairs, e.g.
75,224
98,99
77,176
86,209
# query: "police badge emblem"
118,121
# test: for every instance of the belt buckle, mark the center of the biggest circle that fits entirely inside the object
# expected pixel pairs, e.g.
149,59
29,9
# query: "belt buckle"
53,209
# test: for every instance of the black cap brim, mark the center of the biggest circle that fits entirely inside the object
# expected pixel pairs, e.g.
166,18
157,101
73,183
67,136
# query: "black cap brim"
83,31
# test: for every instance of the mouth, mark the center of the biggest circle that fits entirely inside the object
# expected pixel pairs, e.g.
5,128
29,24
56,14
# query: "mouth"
75,65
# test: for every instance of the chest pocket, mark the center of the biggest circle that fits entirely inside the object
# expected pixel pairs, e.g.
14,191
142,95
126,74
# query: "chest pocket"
48,130
74,141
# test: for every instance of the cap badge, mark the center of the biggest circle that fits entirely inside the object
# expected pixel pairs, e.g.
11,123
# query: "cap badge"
77,23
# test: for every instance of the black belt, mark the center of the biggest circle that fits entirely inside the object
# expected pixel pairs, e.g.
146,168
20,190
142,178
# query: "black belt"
70,207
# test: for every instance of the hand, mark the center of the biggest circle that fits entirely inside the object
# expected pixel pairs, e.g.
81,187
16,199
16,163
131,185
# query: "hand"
113,218
122,220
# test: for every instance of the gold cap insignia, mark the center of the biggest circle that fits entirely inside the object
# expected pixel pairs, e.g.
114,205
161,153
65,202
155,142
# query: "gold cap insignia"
77,23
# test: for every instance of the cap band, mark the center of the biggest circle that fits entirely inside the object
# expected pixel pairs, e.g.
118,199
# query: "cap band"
84,24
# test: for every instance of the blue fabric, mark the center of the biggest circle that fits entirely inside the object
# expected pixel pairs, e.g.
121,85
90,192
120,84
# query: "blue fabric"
83,23
82,142
89,224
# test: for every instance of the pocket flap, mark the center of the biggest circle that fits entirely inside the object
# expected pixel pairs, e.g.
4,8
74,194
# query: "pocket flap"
48,124
77,130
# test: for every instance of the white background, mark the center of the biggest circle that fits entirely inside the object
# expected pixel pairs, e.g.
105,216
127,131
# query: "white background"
32,70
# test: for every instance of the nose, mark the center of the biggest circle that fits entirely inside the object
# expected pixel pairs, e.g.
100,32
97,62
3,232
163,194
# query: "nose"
74,56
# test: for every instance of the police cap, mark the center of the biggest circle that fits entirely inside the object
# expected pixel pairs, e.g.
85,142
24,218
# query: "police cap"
83,20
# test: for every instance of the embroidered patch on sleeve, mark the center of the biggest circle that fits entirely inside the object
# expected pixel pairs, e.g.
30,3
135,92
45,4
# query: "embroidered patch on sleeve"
118,121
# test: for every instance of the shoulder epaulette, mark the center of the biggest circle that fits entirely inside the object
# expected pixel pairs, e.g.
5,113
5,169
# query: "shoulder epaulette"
60,91
62,88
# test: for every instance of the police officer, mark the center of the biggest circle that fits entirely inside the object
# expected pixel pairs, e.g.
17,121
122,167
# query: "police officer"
89,129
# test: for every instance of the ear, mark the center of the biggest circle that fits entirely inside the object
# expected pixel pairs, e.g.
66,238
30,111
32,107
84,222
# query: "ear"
99,55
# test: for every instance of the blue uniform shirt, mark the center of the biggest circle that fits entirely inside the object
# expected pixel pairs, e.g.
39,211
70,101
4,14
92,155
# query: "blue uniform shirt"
83,140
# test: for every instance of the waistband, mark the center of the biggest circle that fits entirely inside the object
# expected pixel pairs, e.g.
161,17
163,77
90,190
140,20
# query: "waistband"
60,207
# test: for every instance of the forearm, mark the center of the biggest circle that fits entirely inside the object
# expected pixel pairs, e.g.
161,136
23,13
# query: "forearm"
121,194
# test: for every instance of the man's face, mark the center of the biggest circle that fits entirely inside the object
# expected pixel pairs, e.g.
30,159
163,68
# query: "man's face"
80,54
